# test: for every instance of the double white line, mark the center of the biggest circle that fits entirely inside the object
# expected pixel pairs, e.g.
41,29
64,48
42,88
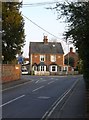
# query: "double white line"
57,102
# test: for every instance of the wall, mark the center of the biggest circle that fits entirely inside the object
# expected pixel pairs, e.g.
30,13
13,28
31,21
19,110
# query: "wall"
73,55
59,59
10,72
41,73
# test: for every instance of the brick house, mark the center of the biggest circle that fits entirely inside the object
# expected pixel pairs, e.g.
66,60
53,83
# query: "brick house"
46,57
73,55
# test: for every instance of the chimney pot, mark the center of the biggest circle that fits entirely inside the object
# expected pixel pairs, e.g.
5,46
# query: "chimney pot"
45,40
71,49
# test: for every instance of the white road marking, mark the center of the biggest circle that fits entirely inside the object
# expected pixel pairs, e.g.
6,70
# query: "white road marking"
50,82
44,80
58,101
37,88
66,101
37,81
53,106
40,81
43,97
12,100
15,86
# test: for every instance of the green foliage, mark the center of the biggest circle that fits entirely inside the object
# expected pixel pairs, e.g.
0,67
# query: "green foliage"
77,15
80,66
12,30
69,61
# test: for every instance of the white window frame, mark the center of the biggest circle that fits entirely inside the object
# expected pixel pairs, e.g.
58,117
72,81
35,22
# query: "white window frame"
65,68
34,68
42,58
60,68
53,58
42,68
55,68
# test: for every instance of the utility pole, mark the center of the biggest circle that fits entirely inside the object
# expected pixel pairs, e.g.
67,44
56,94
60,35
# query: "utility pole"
68,53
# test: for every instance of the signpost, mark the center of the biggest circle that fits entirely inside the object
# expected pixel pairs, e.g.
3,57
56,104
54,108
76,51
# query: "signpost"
20,59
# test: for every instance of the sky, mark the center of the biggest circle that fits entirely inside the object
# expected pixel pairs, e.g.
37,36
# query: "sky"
47,19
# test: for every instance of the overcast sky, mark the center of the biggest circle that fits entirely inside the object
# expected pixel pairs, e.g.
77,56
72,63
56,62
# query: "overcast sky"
47,19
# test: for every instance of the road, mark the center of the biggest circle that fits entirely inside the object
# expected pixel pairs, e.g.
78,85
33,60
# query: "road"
39,97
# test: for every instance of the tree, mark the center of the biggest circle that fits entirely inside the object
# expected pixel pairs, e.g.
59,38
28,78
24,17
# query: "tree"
69,61
77,15
80,66
0,33
12,30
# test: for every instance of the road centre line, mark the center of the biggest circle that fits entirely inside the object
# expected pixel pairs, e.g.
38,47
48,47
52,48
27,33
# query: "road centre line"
37,88
43,97
50,82
15,86
44,80
58,101
40,81
12,100
37,81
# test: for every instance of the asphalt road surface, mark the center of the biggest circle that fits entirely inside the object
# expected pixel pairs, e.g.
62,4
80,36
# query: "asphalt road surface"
43,97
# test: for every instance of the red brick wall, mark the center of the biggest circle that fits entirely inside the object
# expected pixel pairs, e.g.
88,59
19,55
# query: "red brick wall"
10,72
59,59
73,55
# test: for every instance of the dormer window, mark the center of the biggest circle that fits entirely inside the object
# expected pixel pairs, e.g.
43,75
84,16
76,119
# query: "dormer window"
42,58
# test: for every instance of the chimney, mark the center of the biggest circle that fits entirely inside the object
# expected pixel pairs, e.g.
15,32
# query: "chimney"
45,40
71,49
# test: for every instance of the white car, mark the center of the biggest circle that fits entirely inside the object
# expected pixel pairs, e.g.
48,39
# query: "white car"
24,72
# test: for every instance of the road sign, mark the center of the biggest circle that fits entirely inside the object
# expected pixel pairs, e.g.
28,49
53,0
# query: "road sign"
20,59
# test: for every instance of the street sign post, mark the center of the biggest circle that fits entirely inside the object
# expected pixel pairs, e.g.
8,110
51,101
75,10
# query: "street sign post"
20,59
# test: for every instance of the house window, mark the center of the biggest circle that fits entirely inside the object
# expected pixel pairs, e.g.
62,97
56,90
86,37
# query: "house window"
53,58
42,58
65,69
60,68
41,68
35,68
53,68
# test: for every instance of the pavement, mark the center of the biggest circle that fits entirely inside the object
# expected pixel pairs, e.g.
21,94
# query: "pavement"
75,104
13,83
73,107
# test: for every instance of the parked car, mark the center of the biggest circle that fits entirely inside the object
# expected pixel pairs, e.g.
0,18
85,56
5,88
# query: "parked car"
24,71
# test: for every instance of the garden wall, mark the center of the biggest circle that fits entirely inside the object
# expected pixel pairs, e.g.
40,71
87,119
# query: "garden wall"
10,72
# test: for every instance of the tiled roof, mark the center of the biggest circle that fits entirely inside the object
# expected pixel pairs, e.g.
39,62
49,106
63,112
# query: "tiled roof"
49,48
